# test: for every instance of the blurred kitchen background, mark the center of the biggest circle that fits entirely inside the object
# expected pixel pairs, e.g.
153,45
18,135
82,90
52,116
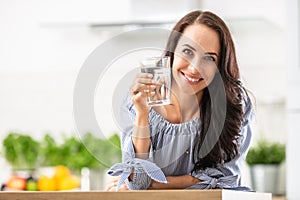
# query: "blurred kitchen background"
43,45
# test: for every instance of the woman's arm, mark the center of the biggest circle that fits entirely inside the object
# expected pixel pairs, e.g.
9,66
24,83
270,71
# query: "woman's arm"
141,137
175,182
141,132
142,170
228,175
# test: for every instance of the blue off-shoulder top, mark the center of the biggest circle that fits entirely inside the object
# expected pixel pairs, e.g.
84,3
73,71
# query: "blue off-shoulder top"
172,152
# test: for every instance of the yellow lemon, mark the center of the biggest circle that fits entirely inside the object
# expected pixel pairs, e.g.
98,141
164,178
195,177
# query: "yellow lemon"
61,171
68,183
46,184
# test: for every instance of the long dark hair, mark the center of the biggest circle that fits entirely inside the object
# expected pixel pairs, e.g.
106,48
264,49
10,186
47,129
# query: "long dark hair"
226,147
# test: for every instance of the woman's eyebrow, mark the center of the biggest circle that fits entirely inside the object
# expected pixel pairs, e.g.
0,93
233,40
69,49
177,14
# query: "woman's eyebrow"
187,45
212,53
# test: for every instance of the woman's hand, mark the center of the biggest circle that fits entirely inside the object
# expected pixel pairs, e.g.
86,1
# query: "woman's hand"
142,87
112,185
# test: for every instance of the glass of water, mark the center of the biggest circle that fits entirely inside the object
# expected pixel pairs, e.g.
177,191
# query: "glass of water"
161,71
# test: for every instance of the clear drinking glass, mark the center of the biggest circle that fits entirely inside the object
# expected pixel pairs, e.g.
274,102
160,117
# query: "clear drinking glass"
161,71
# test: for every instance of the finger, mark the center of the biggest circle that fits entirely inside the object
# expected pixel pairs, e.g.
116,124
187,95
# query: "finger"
113,186
141,96
138,87
140,81
144,78
147,88
142,88
109,186
112,189
147,81
112,182
123,187
144,75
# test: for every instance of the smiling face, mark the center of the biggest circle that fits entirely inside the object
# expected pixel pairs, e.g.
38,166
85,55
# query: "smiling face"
196,59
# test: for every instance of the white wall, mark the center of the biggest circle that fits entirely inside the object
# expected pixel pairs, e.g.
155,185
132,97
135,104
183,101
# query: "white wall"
39,64
293,51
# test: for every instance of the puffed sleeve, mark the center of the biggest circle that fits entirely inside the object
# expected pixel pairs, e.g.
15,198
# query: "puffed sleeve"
143,170
228,175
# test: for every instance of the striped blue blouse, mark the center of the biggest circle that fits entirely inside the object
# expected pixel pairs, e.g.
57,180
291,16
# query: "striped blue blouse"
171,153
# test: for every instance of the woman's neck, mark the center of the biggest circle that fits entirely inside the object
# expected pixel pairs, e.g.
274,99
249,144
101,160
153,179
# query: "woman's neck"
188,105
183,108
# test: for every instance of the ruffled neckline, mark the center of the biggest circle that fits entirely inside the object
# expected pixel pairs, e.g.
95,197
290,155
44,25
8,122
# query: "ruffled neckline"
155,115
157,120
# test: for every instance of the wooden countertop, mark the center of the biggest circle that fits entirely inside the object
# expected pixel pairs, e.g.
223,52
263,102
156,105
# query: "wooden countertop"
138,195
278,198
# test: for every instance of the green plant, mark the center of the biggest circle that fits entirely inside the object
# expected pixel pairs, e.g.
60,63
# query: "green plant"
75,153
21,151
51,154
266,153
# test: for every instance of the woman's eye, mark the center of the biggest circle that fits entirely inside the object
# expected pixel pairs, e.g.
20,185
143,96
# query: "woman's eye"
209,58
188,52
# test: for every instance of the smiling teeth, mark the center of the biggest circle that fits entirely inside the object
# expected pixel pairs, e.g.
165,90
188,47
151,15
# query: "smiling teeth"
192,79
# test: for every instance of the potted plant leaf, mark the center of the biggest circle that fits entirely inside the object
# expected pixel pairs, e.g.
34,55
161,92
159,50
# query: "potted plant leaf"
264,161
21,151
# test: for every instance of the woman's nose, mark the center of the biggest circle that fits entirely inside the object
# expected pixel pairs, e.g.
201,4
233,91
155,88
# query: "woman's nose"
193,69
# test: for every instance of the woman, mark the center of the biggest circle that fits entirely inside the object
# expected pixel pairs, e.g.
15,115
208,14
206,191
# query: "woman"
201,139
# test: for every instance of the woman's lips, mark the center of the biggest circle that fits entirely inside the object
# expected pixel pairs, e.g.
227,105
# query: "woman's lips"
192,79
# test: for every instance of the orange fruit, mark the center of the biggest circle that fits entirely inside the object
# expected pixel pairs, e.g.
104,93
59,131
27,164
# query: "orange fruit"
46,183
